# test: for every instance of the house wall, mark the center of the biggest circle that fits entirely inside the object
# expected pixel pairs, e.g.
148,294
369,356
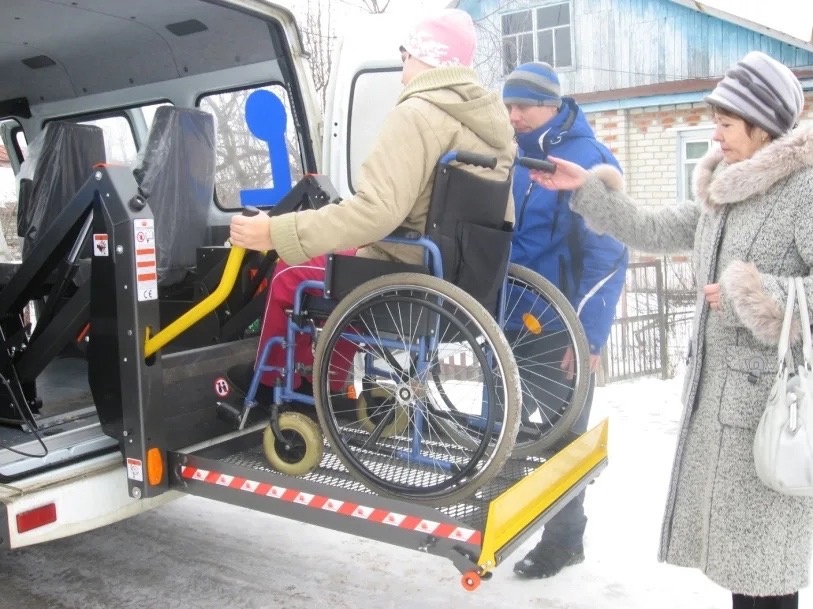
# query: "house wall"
645,142
629,43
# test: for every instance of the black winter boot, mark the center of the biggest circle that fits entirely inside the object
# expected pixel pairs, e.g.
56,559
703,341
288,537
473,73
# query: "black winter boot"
547,559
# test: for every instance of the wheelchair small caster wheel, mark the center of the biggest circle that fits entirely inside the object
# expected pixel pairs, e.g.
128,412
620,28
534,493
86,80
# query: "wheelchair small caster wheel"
304,447
373,405
471,581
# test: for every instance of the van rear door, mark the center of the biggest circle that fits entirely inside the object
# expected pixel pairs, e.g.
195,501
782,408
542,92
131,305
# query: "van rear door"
364,85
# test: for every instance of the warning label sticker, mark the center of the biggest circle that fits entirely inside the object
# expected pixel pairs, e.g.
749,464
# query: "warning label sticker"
135,471
146,269
222,388
101,245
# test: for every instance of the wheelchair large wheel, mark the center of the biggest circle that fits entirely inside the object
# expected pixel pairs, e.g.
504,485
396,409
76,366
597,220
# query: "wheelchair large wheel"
385,335
540,325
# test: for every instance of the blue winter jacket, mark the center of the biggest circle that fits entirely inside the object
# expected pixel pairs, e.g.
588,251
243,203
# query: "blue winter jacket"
552,240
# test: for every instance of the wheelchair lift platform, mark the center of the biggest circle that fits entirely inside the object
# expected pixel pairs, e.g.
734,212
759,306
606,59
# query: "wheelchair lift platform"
476,534
157,407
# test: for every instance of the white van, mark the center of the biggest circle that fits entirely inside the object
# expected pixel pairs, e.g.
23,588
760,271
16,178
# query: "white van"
83,86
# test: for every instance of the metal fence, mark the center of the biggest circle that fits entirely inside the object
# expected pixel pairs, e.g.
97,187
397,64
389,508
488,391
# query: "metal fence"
653,320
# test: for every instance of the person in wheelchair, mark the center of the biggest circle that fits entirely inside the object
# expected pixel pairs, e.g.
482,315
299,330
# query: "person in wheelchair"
441,109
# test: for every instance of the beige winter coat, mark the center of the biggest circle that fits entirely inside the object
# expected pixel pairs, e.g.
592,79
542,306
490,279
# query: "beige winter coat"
442,109
750,228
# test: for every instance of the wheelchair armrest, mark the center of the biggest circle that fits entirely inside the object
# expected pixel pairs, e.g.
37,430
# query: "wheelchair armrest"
402,232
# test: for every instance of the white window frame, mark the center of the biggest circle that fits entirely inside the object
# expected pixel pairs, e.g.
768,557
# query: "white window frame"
536,30
685,137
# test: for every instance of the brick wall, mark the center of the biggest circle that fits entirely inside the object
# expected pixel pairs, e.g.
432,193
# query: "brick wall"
645,141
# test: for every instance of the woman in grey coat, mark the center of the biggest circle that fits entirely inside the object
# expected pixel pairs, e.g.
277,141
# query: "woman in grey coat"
750,228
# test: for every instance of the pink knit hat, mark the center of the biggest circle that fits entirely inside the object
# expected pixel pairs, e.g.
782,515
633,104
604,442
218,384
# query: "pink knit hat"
446,38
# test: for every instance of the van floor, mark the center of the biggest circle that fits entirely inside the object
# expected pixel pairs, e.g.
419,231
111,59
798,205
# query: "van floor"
66,422
64,390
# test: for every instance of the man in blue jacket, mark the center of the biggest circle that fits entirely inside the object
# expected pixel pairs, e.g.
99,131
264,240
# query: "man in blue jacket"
554,241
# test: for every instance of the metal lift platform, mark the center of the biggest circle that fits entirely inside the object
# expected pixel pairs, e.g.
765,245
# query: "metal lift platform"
128,379
476,534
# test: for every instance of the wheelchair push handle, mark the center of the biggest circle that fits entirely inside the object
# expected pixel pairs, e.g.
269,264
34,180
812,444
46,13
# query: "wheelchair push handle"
470,158
538,164
249,211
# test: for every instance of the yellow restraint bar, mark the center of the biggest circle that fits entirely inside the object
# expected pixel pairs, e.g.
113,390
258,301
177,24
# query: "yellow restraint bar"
203,308
516,508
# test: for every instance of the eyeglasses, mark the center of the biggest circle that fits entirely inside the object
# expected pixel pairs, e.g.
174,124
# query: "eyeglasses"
404,54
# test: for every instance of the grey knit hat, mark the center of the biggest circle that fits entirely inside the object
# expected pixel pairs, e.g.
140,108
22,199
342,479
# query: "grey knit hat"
762,91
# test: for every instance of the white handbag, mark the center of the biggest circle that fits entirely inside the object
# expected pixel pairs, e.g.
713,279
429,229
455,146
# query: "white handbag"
783,446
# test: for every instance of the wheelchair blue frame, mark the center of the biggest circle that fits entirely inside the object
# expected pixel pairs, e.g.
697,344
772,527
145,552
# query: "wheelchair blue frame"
285,392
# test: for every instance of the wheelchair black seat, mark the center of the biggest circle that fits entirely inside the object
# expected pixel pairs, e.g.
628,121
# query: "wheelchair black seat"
467,222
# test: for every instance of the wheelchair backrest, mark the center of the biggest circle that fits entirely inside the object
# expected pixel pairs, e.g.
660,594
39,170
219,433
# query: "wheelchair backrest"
176,171
67,156
466,220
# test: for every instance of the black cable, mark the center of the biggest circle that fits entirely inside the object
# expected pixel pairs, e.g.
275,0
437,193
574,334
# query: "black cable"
30,420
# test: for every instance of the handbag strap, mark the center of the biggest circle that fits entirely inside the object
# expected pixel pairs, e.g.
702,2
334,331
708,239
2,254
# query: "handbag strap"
784,335
804,314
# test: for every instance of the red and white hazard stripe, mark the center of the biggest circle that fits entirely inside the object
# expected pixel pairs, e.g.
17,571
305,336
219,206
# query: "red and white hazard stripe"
344,508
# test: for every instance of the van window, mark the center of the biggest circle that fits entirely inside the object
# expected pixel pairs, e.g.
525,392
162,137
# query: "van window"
21,142
119,141
9,244
244,160
16,139
149,112
373,95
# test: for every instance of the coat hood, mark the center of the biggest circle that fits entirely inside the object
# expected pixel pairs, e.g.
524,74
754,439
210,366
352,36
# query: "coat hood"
455,90
717,183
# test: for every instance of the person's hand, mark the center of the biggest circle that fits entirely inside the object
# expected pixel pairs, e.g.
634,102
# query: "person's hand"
251,232
568,176
712,294
569,363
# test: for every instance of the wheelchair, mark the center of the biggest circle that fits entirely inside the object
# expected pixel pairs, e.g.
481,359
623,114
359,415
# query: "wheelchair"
415,383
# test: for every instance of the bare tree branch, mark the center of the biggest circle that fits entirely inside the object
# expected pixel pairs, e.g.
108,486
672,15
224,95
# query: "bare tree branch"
490,61
319,35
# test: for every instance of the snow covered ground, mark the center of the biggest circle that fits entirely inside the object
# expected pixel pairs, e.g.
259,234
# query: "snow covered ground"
197,554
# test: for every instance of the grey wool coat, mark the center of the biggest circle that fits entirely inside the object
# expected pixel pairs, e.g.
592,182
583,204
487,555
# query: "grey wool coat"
750,228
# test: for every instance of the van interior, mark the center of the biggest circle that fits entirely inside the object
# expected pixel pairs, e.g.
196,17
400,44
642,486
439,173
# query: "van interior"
161,88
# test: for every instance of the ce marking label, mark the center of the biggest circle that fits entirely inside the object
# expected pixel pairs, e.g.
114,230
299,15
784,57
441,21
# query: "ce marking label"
148,294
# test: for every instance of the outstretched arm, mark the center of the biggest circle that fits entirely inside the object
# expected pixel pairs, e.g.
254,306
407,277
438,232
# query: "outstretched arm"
600,199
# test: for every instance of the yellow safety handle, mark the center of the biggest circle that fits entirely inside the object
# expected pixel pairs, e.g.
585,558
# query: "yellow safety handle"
203,308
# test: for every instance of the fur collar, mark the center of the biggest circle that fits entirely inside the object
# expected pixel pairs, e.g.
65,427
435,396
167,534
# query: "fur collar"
716,183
